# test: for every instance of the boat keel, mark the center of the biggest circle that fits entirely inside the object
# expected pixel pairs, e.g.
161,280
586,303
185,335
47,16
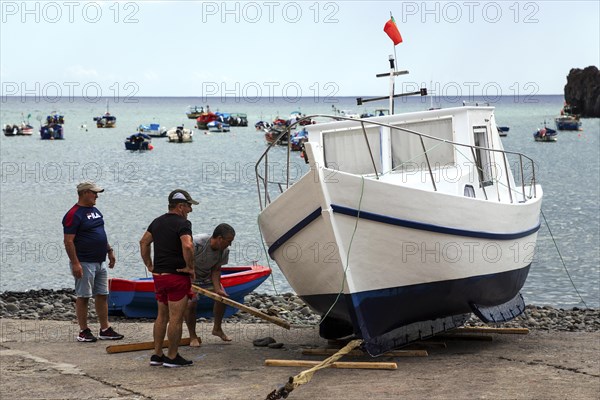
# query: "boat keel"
500,313
410,333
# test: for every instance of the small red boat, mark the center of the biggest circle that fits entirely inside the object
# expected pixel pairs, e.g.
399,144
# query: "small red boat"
135,298
204,118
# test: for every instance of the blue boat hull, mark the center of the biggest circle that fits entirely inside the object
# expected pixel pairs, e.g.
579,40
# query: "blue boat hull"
568,126
136,145
368,314
52,132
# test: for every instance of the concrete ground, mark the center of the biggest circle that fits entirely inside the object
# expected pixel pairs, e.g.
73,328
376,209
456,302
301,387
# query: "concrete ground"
42,360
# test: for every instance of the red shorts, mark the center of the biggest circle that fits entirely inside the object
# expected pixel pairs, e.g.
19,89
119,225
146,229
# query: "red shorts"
171,287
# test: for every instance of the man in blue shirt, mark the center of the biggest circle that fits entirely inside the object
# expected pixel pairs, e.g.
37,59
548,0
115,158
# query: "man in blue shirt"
86,245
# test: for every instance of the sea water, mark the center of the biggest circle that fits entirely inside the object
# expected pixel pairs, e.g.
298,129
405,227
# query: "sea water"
38,180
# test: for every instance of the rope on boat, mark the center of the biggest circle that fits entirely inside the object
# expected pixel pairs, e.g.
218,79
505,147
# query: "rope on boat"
562,260
362,192
305,376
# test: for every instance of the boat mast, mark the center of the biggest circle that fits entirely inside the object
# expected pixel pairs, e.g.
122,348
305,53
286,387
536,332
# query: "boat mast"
392,83
392,74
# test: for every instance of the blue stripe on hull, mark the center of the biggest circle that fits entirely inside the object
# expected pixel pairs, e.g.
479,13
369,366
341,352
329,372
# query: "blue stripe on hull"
379,311
431,228
397,222
295,229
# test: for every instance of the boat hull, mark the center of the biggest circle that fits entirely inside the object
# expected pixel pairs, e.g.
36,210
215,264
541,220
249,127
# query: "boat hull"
135,146
567,124
136,299
52,132
374,272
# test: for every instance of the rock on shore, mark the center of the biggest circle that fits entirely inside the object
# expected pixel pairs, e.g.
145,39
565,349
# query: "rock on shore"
59,305
582,91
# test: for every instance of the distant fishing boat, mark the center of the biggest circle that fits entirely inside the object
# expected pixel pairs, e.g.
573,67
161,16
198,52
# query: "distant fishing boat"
218,126
180,134
22,129
138,141
153,130
194,112
545,134
238,119
53,128
568,119
567,123
503,130
107,120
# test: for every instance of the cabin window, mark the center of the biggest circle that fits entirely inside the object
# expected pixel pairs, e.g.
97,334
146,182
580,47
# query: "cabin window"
407,149
347,151
483,161
469,191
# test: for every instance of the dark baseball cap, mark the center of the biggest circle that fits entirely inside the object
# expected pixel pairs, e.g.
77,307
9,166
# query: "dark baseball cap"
181,196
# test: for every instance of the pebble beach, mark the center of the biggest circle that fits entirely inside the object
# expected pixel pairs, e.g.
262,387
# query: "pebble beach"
58,305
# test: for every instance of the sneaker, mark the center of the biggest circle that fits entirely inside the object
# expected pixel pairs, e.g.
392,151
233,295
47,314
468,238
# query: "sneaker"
156,361
110,334
86,336
176,362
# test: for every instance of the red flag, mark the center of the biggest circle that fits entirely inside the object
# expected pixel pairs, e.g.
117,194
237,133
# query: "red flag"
392,31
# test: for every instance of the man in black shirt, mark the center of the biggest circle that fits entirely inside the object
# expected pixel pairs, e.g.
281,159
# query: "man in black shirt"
171,234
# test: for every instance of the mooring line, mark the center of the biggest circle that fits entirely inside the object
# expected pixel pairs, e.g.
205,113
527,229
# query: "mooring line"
561,259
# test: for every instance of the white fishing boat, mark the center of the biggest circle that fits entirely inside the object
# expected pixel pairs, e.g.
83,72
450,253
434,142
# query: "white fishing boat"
180,134
404,224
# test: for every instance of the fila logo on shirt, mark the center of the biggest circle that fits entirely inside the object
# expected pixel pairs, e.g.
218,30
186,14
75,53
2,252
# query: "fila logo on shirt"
93,215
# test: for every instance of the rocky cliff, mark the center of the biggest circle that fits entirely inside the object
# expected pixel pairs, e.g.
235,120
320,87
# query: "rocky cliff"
582,91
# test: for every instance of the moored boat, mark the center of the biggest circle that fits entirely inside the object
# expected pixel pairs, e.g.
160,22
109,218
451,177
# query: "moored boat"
218,126
545,134
194,112
262,125
53,128
567,123
204,118
138,141
503,130
107,120
277,135
238,119
568,119
298,139
135,298
404,225
153,130
22,129
180,134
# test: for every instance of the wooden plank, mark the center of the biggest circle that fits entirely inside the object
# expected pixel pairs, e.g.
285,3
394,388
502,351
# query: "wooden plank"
359,353
337,364
425,343
465,336
485,329
242,307
126,347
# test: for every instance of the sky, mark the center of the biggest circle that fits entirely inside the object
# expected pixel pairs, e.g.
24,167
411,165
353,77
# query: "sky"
296,48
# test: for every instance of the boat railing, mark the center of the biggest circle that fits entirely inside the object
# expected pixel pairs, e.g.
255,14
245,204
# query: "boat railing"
522,165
